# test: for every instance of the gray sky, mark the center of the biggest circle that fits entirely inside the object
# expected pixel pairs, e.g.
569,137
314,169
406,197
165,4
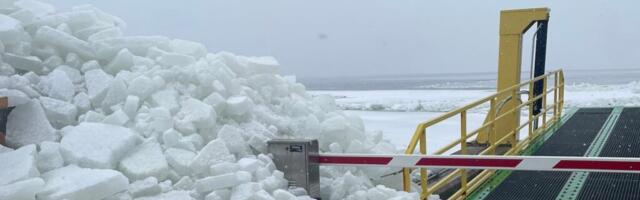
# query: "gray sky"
374,37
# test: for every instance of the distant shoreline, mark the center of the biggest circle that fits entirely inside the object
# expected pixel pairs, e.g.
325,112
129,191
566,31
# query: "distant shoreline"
460,81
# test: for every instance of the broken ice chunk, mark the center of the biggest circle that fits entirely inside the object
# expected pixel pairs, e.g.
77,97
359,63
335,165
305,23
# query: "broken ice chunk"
10,30
97,83
18,165
49,157
122,61
28,124
22,190
97,145
65,41
75,183
214,152
60,113
26,63
57,85
147,160
238,105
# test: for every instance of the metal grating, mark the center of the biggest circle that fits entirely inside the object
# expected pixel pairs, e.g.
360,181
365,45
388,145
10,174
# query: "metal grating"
572,139
623,142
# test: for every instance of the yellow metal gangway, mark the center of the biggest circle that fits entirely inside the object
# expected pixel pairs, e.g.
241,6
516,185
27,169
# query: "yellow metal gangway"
515,146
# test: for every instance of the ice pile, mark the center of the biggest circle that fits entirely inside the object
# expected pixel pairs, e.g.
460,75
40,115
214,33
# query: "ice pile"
100,115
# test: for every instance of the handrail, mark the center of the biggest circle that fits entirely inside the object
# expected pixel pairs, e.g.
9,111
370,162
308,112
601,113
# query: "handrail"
419,136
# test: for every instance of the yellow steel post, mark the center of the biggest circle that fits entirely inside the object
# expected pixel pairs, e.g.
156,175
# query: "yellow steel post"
406,180
560,92
530,122
544,102
406,172
493,137
560,86
516,114
423,171
555,97
463,150
513,24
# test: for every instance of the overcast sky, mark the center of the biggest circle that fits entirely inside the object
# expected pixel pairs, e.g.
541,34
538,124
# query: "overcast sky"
371,37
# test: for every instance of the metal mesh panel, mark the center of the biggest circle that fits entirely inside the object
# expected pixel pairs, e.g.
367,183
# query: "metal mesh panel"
572,139
624,141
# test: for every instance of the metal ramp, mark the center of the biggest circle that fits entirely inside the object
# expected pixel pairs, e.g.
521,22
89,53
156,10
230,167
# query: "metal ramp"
602,132
624,141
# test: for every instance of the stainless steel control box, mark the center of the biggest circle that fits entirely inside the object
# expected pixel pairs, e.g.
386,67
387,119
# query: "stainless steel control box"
297,159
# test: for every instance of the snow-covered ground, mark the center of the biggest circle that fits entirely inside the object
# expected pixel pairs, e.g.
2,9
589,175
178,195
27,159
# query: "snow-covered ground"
397,112
398,127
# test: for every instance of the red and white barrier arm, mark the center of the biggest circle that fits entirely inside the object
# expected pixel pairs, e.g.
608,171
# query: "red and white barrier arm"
533,163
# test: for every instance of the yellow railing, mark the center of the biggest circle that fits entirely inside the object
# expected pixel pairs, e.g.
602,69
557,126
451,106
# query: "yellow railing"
466,186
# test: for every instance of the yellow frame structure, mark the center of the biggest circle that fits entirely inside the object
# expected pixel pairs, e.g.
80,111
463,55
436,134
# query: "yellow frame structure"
419,137
513,24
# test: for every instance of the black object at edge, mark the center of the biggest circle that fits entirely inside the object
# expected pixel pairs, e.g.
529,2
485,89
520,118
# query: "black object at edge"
4,115
539,63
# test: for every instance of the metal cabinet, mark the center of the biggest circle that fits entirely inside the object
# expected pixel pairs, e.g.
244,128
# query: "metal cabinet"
298,160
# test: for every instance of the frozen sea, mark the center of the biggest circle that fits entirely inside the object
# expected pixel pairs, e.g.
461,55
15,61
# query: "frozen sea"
395,105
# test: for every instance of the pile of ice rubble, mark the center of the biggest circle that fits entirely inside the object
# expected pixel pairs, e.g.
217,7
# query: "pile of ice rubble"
100,115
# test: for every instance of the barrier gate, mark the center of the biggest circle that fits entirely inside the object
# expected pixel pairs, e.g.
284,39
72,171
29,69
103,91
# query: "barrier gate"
300,160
